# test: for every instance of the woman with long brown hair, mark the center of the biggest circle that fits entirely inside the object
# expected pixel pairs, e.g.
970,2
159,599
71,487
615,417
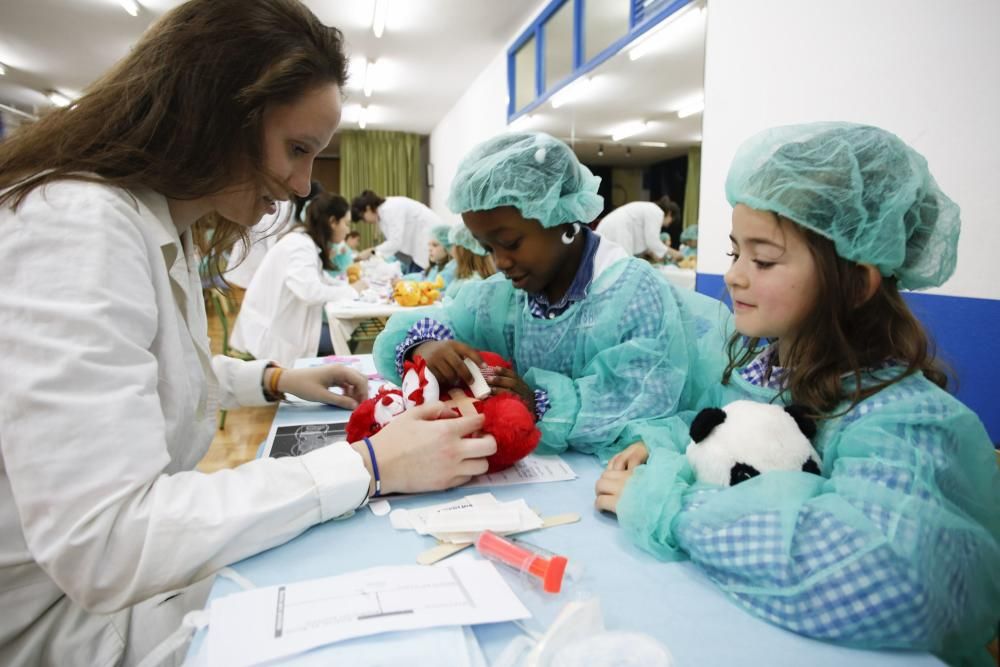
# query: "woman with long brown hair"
108,392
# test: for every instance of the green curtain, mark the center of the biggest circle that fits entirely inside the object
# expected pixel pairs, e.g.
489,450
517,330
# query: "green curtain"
692,189
383,161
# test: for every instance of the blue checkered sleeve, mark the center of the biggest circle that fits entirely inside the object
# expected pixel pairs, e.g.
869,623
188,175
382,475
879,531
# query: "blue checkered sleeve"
542,404
423,330
831,583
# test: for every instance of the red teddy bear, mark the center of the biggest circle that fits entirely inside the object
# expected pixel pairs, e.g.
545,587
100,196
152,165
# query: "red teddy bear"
508,419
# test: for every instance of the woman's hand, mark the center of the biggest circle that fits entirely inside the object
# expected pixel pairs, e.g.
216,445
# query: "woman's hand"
609,489
445,360
416,451
506,380
312,384
629,458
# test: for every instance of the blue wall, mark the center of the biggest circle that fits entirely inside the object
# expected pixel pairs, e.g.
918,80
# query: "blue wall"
967,333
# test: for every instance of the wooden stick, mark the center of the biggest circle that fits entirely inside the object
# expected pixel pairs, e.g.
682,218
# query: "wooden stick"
445,549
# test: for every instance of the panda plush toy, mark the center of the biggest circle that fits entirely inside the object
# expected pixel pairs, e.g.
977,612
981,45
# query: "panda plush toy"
744,439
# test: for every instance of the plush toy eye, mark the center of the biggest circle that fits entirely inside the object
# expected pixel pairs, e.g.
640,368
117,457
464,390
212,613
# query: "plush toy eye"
741,472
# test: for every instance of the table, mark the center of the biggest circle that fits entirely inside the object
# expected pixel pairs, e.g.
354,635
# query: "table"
675,275
345,316
673,602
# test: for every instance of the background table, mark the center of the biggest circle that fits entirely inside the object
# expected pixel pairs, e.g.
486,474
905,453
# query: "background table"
345,316
673,602
677,276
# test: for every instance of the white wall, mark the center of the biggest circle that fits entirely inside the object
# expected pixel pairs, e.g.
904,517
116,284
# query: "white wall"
478,115
929,71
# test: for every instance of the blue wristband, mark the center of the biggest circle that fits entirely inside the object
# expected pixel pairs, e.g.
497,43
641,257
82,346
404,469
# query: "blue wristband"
378,480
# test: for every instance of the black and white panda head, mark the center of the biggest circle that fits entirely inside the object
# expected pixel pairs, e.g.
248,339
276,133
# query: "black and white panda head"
744,439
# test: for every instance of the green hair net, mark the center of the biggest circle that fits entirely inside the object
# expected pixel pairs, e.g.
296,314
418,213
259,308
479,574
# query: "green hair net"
860,186
460,235
441,234
690,233
532,171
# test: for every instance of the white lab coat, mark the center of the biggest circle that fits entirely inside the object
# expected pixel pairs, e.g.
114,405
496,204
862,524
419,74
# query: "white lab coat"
108,399
282,312
636,228
406,225
244,260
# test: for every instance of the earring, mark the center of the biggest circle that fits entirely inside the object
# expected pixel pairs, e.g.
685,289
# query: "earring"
568,237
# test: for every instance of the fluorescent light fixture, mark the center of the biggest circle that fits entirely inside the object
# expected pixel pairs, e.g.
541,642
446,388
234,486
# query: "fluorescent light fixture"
653,39
371,69
521,123
363,117
653,144
628,129
131,6
572,92
691,108
378,17
3,70
58,98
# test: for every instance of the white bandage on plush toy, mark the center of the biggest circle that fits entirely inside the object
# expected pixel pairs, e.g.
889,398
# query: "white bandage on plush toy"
479,388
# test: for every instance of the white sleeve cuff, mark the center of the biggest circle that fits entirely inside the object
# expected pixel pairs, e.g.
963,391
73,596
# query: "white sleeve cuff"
240,381
341,478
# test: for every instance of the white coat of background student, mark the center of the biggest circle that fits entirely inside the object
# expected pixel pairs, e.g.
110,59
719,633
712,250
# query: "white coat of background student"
282,313
108,391
637,226
405,223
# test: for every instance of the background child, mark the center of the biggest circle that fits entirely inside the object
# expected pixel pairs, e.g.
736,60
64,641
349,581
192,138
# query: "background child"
472,262
597,338
439,258
897,544
282,313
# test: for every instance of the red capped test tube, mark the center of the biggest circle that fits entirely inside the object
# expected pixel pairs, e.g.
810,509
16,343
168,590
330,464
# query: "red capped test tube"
548,570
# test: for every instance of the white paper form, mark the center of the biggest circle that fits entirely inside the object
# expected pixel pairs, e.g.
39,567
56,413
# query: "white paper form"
529,470
532,469
269,623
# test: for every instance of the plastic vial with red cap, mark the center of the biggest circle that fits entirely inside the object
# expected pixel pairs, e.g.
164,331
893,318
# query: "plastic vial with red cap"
548,569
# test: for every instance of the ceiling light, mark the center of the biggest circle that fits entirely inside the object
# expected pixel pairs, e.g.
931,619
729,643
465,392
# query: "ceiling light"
378,17
3,70
131,6
572,92
653,144
628,129
691,108
628,151
369,77
58,98
363,118
521,123
653,39
600,150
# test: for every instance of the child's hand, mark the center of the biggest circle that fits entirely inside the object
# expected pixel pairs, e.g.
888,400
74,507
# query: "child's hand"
629,458
444,359
609,489
506,380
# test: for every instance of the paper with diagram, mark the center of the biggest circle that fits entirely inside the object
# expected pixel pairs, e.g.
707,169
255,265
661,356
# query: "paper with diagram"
269,623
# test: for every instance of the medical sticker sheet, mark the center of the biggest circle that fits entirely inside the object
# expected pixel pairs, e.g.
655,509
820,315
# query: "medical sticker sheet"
270,623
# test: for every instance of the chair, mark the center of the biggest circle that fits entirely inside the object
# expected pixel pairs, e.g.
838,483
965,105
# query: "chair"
223,305
367,330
